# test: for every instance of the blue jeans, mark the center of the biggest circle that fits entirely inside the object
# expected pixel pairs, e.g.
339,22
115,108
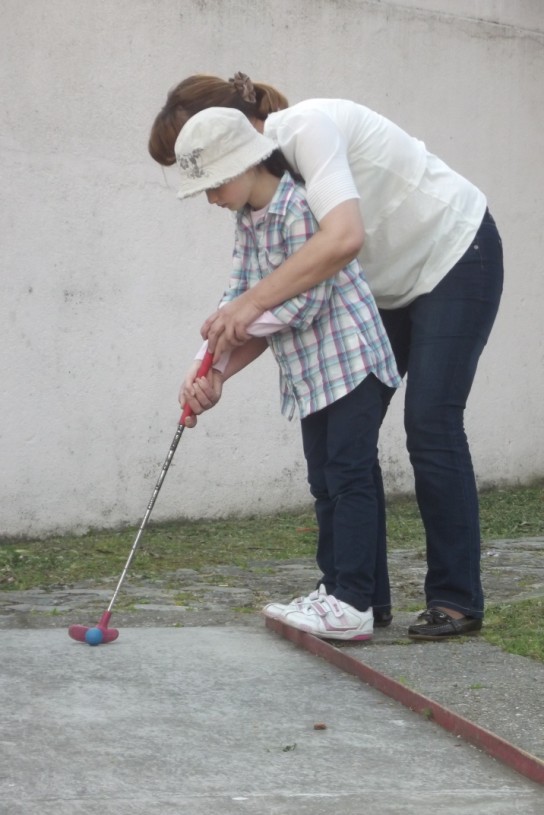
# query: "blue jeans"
437,341
340,445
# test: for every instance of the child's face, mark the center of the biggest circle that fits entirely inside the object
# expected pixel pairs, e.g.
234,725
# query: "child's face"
235,194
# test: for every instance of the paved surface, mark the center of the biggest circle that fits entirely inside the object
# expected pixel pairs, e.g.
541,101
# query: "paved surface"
221,720
501,692
183,715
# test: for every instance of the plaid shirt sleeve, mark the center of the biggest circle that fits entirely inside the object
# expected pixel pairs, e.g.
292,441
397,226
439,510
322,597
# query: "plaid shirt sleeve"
295,229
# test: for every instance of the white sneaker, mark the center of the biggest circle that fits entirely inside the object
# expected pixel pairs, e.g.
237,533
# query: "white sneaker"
331,619
277,610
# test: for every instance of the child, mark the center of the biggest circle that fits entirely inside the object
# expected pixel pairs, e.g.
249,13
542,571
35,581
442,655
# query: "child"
335,361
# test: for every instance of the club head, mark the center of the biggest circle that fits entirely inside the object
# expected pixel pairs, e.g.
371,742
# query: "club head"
78,632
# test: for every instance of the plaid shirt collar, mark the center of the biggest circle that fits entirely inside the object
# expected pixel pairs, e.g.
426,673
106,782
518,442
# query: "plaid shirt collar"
277,206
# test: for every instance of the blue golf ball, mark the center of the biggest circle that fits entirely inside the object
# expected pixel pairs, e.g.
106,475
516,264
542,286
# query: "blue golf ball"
94,636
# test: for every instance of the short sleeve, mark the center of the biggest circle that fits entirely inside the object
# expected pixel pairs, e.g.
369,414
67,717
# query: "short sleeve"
314,146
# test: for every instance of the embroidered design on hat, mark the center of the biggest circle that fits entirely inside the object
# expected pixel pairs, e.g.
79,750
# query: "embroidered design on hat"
189,163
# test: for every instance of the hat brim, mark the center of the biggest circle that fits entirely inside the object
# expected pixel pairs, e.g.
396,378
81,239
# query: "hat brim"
230,168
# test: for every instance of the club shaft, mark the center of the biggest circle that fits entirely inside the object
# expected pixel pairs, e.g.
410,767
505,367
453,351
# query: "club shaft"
158,485
205,366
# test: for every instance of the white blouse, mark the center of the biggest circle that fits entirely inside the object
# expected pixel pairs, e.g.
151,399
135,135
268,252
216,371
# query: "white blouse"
419,215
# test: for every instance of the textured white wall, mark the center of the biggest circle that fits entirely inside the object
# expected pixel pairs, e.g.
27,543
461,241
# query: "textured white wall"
106,277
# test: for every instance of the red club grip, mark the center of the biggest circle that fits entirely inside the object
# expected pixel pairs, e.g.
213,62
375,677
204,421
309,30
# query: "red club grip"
205,366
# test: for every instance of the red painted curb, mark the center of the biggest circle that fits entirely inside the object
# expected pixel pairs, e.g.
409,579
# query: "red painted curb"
524,763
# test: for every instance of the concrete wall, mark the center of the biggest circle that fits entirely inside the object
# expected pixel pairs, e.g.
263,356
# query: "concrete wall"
106,277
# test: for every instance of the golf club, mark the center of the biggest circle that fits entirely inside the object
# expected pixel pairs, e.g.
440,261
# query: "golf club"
100,633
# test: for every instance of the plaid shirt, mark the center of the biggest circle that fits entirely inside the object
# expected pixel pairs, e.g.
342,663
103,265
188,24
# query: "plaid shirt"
333,336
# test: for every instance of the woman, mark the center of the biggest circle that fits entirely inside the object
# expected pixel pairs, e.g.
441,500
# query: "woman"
433,258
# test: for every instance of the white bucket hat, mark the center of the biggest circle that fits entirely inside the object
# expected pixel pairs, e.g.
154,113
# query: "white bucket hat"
215,146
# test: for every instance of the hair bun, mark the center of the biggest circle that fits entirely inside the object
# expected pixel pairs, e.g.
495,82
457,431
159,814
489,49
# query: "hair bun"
244,86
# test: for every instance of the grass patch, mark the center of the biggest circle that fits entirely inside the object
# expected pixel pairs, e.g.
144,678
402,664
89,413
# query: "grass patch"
516,628
512,513
100,556
184,598
404,526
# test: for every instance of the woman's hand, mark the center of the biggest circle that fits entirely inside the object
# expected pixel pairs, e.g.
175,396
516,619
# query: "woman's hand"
200,394
338,241
227,327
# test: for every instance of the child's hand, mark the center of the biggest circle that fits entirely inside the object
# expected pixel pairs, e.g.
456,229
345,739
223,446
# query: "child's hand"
200,394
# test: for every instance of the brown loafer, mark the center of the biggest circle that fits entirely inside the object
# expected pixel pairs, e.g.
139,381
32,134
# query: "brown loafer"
436,625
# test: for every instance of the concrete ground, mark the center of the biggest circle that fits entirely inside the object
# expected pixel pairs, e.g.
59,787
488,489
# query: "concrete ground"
198,708
207,720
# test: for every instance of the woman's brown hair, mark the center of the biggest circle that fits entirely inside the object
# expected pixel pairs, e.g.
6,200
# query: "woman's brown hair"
198,92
